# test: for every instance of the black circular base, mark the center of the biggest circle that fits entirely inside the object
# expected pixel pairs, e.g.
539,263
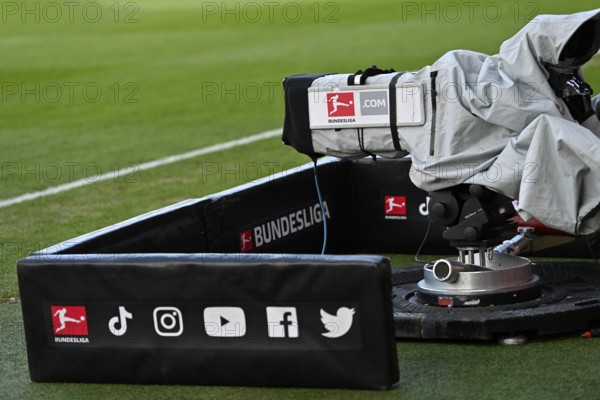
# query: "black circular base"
480,300
569,302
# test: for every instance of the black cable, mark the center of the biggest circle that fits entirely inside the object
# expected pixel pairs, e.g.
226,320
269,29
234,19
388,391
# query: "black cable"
422,244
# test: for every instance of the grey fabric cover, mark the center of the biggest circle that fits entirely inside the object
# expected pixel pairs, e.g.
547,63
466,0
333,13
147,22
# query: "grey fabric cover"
498,122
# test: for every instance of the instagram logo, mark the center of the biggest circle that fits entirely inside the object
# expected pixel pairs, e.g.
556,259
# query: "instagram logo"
168,321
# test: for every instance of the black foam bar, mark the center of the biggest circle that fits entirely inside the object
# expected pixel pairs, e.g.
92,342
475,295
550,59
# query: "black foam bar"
218,319
356,194
179,228
392,213
283,215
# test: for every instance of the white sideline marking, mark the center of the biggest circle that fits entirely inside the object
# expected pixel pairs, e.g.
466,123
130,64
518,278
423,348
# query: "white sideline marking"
141,167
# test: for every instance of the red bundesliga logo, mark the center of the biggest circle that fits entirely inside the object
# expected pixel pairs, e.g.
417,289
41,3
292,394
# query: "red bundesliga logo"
69,320
395,205
340,104
246,241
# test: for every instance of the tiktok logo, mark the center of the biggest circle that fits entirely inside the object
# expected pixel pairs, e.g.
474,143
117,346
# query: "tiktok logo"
424,207
120,321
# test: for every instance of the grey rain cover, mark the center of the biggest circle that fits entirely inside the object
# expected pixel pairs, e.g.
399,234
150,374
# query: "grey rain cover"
496,121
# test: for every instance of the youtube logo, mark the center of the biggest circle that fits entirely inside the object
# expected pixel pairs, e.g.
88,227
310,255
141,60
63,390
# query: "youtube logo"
224,322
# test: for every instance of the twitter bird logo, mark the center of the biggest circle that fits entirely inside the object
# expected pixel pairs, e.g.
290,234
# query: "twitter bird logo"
337,325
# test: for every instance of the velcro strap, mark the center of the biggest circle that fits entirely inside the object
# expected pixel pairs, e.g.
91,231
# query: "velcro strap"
393,116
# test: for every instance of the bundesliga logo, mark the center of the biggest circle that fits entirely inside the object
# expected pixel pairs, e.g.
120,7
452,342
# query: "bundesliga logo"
340,104
69,320
395,207
69,324
246,241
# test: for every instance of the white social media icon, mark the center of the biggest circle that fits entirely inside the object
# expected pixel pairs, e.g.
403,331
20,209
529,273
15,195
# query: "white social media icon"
337,325
121,320
224,321
168,321
282,322
424,207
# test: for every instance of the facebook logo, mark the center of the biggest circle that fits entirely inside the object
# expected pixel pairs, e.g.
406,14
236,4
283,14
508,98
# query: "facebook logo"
282,322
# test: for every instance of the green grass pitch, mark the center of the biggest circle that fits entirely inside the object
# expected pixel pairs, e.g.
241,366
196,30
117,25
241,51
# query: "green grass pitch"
94,86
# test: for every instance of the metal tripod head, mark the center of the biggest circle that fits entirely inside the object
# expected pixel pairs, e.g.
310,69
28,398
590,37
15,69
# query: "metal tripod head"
476,218
485,272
